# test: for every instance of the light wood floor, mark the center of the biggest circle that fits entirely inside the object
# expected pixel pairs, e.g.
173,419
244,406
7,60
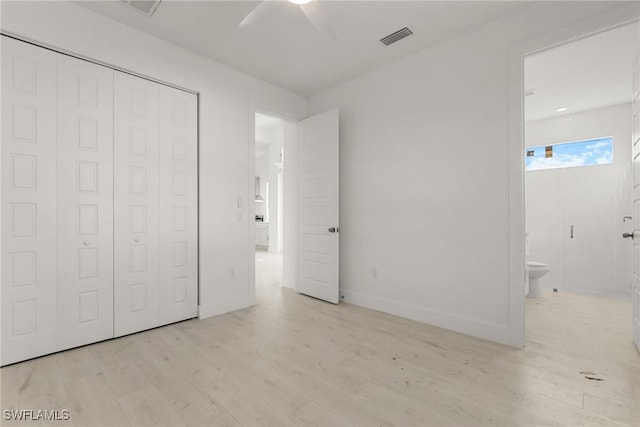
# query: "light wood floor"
295,361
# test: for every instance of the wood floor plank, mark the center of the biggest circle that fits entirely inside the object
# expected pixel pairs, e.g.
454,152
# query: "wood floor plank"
176,379
146,407
623,414
272,375
92,403
41,384
9,386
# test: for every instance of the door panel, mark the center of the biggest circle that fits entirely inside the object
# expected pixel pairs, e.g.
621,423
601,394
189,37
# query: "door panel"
590,255
28,201
178,205
136,153
84,202
318,247
635,143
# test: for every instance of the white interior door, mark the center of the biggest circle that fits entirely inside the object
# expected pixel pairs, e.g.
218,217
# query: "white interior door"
178,205
28,201
318,242
84,202
635,289
136,152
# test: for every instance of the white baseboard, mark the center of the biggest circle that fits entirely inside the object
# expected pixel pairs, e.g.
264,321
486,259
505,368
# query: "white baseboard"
476,328
225,306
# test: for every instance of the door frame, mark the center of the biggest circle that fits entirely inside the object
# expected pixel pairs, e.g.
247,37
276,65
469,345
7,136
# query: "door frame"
289,199
517,270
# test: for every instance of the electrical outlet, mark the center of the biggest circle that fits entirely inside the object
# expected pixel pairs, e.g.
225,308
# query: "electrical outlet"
374,273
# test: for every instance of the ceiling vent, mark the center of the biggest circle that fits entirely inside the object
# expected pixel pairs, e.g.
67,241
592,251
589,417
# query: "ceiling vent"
145,6
397,36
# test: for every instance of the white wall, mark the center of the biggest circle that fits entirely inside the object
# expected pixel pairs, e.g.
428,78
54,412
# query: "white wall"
290,206
226,101
425,164
593,198
275,148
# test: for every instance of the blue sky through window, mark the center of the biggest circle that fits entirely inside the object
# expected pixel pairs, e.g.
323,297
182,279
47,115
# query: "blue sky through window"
568,154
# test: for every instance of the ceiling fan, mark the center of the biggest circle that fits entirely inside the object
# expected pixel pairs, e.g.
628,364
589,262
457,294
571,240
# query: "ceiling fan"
310,8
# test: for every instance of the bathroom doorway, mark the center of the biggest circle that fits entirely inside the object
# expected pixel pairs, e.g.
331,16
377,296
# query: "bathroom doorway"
578,164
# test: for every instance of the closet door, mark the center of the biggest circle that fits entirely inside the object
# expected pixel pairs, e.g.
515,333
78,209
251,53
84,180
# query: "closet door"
178,205
28,201
85,203
136,153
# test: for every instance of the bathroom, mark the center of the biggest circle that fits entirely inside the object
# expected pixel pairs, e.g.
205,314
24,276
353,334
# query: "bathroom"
578,166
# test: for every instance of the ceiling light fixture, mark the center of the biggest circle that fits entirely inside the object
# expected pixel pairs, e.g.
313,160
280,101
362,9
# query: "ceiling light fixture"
562,109
311,9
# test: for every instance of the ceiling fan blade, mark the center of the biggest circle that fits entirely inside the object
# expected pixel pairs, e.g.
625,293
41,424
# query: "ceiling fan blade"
257,13
314,13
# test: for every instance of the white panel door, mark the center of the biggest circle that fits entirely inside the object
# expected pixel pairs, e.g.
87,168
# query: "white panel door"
28,201
85,202
178,205
318,241
635,287
136,152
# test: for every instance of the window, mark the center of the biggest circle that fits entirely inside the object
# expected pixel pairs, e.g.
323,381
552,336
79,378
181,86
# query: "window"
597,151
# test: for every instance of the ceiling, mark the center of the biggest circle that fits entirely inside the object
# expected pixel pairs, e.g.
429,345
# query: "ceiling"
589,73
283,48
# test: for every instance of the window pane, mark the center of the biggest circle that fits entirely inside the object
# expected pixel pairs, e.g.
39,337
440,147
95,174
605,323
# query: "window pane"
568,154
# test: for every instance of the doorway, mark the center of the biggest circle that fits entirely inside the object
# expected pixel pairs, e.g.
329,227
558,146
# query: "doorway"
302,212
269,202
578,170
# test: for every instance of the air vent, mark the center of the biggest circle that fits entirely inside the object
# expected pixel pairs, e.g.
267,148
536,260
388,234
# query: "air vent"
397,36
145,6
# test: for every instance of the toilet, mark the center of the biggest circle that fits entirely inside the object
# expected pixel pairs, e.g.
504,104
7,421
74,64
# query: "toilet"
536,271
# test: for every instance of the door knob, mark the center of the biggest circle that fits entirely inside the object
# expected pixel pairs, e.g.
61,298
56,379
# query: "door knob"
86,243
334,229
627,235
136,240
